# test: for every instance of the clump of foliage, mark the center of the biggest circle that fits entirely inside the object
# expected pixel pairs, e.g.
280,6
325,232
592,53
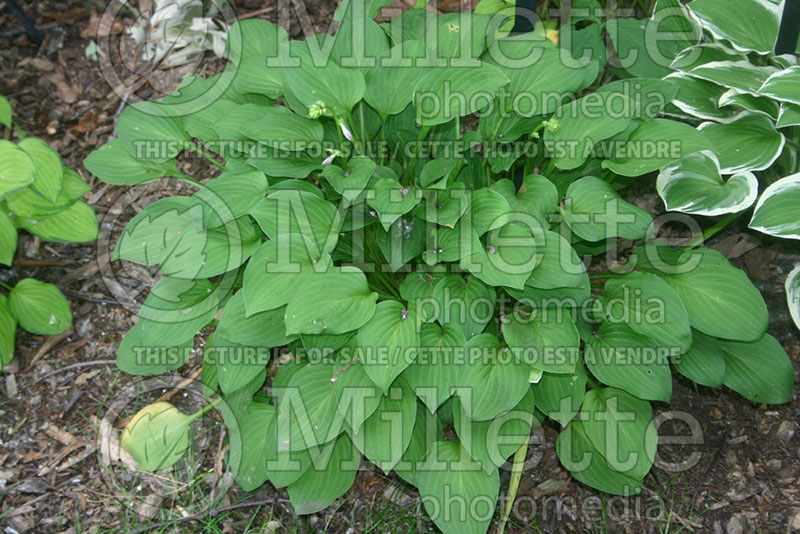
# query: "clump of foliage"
42,196
435,282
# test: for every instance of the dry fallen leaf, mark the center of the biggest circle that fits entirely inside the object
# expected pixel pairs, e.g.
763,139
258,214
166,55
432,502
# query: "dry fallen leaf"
65,92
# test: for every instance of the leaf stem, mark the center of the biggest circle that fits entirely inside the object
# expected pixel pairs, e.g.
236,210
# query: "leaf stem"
205,409
714,230
197,150
8,287
513,483
185,178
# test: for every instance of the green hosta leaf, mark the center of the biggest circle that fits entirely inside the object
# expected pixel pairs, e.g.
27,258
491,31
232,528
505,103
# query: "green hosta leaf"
451,244
5,112
595,211
699,98
40,308
138,355
248,440
329,476
620,428
277,270
48,171
313,77
704,363
334,302
284,467
749,25
539,74
427,431
236,364
391,200
293,211
783,85
431,103
793,294
252,43
537,197
230,196
360,43
776,211
444,207
357,396
436,370
559,266
279,128
150,131
693,185
16,168
580,131
8,332
493,381
176,309
448,479
651,308
465,302
389,341
404,241
387,433
742,76
8,239
419,286
490,443
621,357
75,224
263,329
560,396
586,464
750,143
157,436
112,164
704,281
653,144
307,414
545,339
350,182
761,371
489,210
391,82
31,207
509,257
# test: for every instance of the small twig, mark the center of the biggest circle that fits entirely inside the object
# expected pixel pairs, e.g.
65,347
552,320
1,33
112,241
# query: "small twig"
714,460
76,366
89,298
47,346
40,263
257,13
181,385
210,513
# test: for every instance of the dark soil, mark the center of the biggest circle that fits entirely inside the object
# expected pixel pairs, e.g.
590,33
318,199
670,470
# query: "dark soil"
52,472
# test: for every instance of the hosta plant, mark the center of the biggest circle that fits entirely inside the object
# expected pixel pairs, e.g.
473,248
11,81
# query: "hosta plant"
744,101
42,196
397,234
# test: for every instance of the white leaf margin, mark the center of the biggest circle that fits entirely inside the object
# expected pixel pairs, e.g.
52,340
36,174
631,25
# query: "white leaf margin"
751,168
793,294
791,72
784,184
666,179
717,33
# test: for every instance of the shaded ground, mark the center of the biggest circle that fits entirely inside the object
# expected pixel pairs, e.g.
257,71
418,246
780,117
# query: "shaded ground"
52,476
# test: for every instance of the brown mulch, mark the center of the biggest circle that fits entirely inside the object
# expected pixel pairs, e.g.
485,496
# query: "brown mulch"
52,479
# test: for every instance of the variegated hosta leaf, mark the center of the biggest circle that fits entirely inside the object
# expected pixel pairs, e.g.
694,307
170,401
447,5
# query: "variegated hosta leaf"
788,116
755,104
693,185
793,294
740,75
777,210
750,143
749,25
783,86
701,54
699,98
